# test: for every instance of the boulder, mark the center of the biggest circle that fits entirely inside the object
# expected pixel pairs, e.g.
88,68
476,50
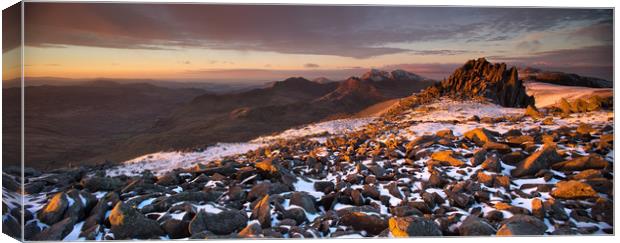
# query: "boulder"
413,226
591,161
266,188
532,112
262,212
480,136
446,157
127,223
304,200
541,159
222,223
522,225
54,210
57,231
370,223
573,190
474,226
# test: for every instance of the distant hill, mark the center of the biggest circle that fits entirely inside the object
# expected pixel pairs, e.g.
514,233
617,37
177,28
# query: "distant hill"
560,78
73,123
99,120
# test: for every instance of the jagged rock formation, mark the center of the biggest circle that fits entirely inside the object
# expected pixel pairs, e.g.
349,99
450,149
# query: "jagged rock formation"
482,79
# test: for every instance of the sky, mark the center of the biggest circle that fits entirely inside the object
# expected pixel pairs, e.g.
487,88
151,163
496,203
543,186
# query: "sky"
247,43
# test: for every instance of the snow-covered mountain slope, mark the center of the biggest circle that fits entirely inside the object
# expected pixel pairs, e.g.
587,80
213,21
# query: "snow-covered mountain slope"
449,164
546,94
163,162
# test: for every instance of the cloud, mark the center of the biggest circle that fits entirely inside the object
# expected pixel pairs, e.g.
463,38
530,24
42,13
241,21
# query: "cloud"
348,31
595,61
11,27
441,52
531,45
311,65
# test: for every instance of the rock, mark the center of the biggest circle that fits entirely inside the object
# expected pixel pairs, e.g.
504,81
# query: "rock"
176,229
222,223
80,202
436,181
404,211
480,136
592,161
603,210
541,159
413,226
34,187
492,164
251,231
587,174
499,147
474,226
555,210
522,225
304,200
538,209
57,231
446,157
371,191
296,214
98,212
198,223
168,179
532,112
266,188
447,134
98,183
480,79
266,166
12,228
479,156
460,200
393,190
485,179
519,140
54,210
564,106
262,212
356,198
514,157
601,185
501,181
573,190
372,224
548,121
324,186
128,223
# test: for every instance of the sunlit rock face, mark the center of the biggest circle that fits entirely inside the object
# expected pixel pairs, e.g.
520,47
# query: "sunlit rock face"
480,78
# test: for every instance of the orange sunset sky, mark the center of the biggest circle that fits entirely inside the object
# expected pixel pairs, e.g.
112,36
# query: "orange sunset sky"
246,43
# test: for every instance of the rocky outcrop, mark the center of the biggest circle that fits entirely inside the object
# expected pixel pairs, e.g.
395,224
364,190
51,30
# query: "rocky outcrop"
482,79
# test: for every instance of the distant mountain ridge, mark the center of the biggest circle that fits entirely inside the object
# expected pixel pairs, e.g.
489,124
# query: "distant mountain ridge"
103,120
561,78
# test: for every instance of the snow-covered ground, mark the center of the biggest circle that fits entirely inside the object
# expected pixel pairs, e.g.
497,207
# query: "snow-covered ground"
549,94
162,162
426,119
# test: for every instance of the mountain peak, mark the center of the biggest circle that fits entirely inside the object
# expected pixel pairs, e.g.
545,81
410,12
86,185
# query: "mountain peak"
378,75
375,75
